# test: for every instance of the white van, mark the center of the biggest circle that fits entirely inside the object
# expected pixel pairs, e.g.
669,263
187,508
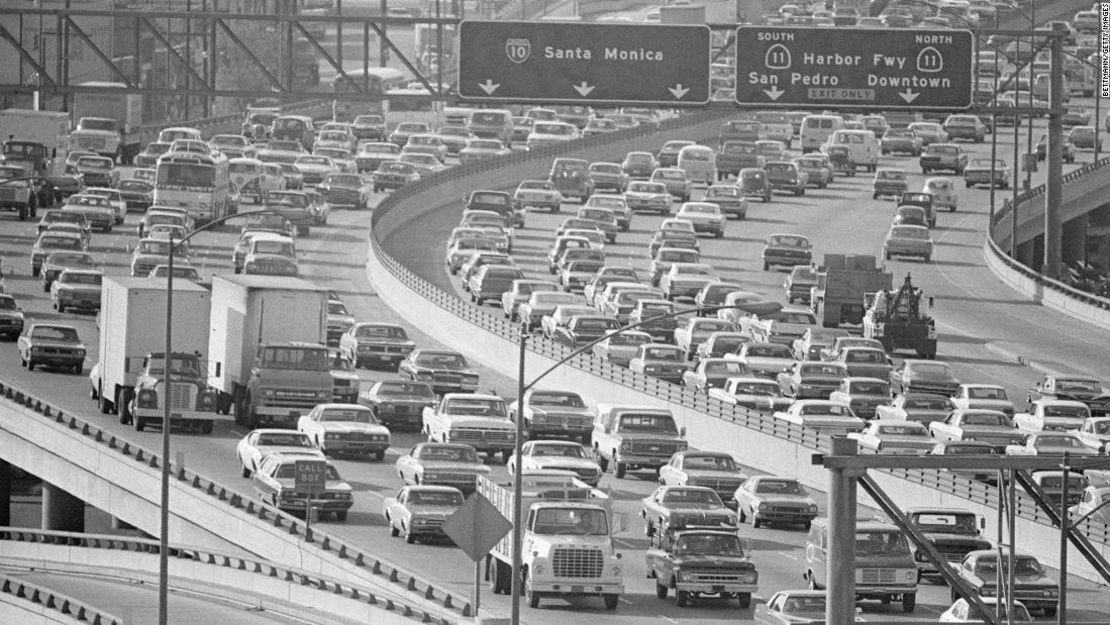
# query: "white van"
699,163
862,145
816,130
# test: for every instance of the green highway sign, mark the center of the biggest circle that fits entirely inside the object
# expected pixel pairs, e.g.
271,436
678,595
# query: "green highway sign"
576,63
855,68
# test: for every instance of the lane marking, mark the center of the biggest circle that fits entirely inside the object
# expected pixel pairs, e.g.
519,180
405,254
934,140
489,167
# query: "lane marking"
787,555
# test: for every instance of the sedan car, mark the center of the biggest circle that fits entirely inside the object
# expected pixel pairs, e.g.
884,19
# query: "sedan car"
963,612
643,196
51,345
620,349
659,360
76,288
787,250
537,194
716,470
420,511
889,181
445,371
677,507
275,480
753,182
923,376
11,317
345,429
924,408
1033,587
442,464
885,437
980,171
904,240
344,190
546,455
728,198
774,499
901,141
263,441
706,217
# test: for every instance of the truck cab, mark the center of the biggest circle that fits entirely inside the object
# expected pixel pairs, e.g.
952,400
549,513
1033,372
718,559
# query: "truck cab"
286,382
699,562
635,437
192,401
885,567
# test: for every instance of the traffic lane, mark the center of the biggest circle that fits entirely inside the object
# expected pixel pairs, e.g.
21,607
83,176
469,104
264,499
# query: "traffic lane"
137,604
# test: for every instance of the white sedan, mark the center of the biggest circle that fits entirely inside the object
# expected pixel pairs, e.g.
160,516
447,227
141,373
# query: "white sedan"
258,443
557,455
705,216
345,428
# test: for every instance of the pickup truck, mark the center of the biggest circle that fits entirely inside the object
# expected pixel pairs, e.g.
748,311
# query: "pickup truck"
1079,388
1053,415
480,421
736,155
952,531
635,437
555,413
16,193
990,426
702,562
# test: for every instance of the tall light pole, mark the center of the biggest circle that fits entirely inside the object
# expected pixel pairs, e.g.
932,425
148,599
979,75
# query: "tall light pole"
761,307
164,512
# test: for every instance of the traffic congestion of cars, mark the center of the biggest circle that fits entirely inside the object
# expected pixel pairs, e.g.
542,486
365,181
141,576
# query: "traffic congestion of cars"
568,257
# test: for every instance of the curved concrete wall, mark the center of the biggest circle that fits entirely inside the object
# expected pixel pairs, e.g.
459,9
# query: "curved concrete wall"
15,610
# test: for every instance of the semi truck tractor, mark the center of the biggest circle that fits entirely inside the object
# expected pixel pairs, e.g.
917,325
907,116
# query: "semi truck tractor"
842,283
132,346
566,544
267,346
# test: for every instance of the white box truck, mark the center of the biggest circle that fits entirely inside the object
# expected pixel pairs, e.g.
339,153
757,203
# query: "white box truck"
567,540
107,123
267,345
132,348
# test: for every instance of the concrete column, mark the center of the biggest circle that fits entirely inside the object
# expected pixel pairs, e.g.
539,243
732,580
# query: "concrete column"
61,511
5,493
1051,266
840,607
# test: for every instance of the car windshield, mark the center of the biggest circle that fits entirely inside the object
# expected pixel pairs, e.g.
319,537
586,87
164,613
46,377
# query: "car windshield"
871,356
694,496
821,369
555,449
283,439
663,353
881,544
55,333
932,370
946,522
887,174
449,453
69,259
69,277
713,462
1086,386
435,498
295,358
772,350
986,392
441,360
1075,412
406,389
780,487
870,388
647,423
804,605
475,407
903,429
986,419
987,568
65,243
825,409
589,522
1054,440
564,400
926,403
347,415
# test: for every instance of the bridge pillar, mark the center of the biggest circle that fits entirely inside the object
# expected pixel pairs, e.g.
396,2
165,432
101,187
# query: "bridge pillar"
1073,241
840,607
61,511
5,493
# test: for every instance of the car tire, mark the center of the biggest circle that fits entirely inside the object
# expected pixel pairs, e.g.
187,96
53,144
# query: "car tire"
756,522
909,602
681,598
246,472
660,590
620,469
30,364
139,424
745,600
341,515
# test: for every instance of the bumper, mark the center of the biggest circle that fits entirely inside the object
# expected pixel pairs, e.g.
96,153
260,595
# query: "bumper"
643,462
786,261
356,447
785,516
573,587
377,356
320,505
57,360
178,416
557,430
883,592
716,589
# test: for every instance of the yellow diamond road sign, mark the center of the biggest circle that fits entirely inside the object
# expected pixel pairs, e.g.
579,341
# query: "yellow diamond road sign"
477,526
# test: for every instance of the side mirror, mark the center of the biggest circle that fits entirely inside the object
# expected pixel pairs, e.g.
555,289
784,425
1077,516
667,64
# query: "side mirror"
682,431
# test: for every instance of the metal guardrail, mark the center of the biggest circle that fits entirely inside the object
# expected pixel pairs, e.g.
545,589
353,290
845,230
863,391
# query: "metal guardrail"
40,595
325,543
225,560
942,481
1003,214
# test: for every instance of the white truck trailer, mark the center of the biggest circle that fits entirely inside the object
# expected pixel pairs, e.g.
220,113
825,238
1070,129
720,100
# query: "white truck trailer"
268,349
567,545
132,327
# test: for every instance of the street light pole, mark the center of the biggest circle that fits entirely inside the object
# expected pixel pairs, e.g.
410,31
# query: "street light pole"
164,512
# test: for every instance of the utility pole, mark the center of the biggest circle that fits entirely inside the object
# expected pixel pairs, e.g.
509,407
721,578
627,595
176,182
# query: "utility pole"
1054,156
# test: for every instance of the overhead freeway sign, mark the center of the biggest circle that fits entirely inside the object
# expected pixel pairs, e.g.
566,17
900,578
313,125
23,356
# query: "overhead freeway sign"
576,63
854,67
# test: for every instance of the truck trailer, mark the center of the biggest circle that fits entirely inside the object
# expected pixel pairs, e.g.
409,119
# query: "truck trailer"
268,349
35,141
132,330
107,123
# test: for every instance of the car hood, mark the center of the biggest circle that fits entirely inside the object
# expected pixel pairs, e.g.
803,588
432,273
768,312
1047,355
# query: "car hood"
344,427
455,467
